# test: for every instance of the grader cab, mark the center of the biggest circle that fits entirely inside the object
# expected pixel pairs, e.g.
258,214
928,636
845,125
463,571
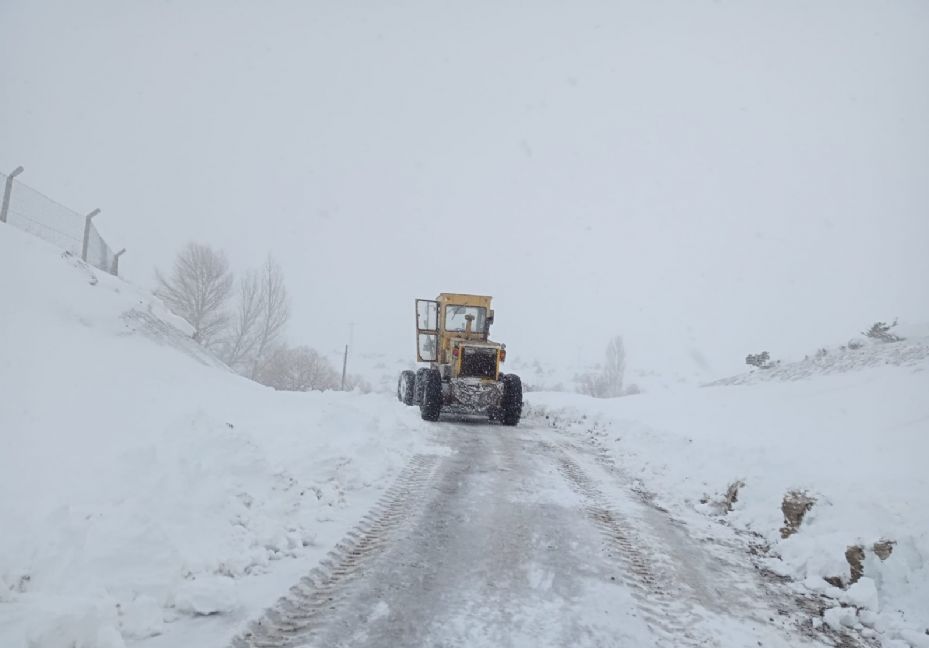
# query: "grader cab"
460,366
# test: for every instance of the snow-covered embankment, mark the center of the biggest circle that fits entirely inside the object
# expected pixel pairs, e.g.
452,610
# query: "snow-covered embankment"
852,435
141,482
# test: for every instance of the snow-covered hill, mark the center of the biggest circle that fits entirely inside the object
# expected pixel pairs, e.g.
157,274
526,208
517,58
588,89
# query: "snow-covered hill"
142,483
849,430
913,350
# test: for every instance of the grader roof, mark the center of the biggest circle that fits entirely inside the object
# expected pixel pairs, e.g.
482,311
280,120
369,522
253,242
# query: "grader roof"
464,299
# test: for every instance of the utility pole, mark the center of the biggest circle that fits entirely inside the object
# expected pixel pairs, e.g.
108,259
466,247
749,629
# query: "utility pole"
344,366
351,336
7,192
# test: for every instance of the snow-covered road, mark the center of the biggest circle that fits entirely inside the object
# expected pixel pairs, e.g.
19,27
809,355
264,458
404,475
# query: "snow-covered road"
528,537
169,507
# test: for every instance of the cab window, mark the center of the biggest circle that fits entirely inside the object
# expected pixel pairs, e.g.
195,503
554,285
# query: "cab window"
455,318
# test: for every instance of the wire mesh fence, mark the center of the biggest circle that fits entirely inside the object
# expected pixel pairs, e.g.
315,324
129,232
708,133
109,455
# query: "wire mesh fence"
99,253
34,212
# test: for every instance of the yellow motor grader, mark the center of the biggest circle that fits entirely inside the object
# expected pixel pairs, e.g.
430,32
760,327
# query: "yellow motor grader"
462,373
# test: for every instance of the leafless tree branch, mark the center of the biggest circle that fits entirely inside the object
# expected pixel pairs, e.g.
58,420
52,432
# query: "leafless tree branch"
198,290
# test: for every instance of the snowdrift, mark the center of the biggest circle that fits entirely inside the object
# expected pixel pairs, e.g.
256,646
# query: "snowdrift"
141,481
849,430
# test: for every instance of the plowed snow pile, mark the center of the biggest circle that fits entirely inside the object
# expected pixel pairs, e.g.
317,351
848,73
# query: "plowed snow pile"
850,432
142,484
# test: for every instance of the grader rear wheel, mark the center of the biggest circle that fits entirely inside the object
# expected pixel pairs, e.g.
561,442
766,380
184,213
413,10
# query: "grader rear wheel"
512,404
419,385
432,395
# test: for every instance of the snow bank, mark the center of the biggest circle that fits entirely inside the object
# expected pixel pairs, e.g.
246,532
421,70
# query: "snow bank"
141,480
856,440
912,351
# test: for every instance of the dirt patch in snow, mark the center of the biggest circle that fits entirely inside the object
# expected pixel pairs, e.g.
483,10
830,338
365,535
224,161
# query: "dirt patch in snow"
883,548
732,494
855,556
795,506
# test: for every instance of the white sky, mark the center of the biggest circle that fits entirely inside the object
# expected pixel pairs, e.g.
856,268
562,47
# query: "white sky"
720,176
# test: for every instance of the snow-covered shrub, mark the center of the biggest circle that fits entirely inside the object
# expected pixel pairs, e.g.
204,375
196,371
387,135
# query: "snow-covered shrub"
761,360
357,383
591,384
298,369
880,331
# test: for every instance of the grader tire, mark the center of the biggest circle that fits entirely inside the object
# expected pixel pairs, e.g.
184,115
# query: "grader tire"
512,404
431,406
419,385
405,387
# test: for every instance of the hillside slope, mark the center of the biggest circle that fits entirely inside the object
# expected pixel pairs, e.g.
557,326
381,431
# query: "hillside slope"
141,480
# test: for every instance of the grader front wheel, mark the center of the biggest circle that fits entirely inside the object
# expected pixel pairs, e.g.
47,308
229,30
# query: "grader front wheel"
405,387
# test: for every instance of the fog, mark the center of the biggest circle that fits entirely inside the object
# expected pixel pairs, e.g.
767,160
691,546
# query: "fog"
696,176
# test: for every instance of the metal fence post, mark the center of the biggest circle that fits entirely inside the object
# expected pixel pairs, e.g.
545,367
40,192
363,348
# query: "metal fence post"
115,269
7,192
87,220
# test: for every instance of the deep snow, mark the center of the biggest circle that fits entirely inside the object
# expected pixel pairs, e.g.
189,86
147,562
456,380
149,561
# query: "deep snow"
150,496
141,482
853,434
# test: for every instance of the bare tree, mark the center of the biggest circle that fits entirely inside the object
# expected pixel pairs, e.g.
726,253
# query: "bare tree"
198,290
608,383
274,313
297,369
239,347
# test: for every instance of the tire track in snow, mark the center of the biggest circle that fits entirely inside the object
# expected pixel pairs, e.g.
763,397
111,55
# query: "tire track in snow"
664,603
794,608
295,618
